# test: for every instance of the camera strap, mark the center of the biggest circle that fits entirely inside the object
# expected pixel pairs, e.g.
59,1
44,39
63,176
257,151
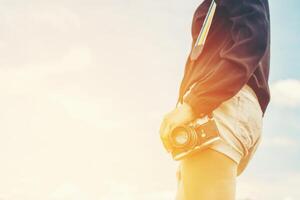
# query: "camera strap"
201,39
199,45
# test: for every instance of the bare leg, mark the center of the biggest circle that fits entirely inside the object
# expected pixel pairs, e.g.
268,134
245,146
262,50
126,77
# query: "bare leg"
208,175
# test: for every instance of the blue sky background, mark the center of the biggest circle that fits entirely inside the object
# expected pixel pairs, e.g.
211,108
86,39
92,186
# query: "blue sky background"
84,86
285,40
283,120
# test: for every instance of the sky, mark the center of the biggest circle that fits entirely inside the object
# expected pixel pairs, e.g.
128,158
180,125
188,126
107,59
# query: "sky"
85,84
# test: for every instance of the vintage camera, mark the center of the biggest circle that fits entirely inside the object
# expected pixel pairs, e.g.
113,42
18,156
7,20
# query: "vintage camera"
188,139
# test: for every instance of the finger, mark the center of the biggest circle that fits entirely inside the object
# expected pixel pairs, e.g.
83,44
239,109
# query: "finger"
166,131
163,127
164,136
161,130
172,127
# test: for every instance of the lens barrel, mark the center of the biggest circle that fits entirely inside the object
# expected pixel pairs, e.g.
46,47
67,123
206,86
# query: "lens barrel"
183,137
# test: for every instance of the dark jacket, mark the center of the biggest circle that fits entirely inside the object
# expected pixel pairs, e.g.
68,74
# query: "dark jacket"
236,52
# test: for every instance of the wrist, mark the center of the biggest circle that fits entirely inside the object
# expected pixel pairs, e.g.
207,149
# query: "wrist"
187,108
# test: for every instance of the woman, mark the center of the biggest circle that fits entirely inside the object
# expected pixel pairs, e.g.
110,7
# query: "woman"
230,80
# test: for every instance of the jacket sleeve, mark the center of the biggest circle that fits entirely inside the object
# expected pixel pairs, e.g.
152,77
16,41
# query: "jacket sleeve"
249,33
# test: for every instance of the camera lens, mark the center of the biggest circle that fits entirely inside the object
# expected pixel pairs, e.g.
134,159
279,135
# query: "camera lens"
180,137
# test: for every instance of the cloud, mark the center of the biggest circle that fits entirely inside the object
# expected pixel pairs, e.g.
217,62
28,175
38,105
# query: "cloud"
278,187
118,191
286,93
249,188
113,191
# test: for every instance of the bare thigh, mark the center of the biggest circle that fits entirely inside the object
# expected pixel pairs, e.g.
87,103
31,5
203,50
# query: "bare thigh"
208,175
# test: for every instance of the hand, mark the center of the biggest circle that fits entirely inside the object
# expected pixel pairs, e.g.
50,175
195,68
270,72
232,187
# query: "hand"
180,115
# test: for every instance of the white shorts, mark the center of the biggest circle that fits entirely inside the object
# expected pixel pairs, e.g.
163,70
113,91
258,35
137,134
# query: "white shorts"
239,121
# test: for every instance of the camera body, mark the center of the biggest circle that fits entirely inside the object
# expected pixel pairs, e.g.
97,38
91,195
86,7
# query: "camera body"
188,139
